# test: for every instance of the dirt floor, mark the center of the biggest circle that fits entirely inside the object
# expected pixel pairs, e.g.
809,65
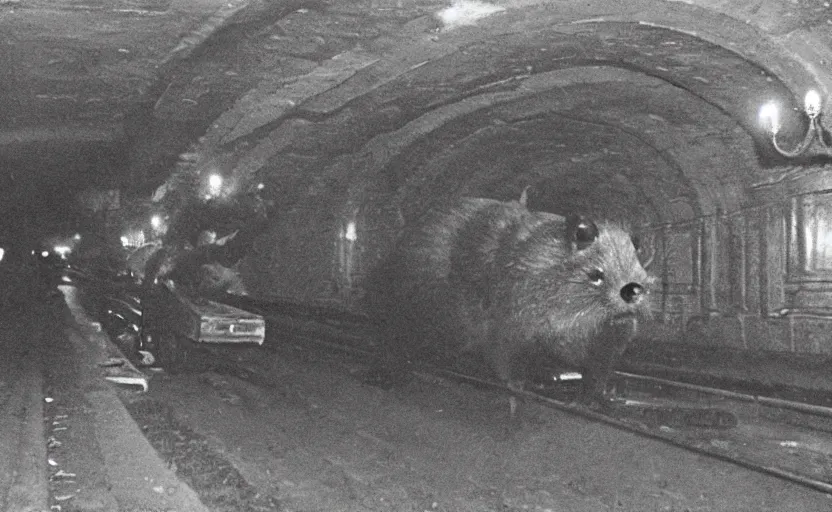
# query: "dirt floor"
303,432
299,429
19,410
77,472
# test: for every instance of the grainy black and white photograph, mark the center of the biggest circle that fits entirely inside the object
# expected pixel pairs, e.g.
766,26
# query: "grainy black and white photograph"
415,256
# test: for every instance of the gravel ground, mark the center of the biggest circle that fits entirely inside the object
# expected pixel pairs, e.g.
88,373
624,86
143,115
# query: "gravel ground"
310,435
219,485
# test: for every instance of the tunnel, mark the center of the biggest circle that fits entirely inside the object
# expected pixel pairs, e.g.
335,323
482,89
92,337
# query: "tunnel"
301,138
360,117
646,115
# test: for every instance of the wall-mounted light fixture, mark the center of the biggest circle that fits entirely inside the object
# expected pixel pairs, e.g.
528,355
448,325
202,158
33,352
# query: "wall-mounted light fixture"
62,250
158,225
817,136
350,233
212,187
132,239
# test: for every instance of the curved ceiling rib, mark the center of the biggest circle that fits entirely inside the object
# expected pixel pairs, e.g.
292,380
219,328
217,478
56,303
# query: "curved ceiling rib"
678,99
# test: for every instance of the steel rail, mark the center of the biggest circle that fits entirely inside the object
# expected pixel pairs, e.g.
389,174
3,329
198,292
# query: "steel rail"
630,426
582,411
657,434
817,410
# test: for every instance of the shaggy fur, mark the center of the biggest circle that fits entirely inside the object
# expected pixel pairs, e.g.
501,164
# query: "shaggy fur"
501,281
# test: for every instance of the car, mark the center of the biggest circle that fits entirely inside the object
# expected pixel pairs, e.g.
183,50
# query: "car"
184,328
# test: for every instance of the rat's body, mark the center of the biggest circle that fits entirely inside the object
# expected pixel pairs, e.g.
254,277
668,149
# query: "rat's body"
507,283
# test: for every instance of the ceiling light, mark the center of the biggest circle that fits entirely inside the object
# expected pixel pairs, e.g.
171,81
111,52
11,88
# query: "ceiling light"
816,137
466,12
215,183
350,233
770,117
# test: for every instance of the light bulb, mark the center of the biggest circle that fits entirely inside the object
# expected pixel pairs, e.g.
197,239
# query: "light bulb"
770,117
350,233
812,103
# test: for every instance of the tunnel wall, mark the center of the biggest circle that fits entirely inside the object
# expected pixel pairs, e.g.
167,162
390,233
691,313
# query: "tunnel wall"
727,274
750,279
759,278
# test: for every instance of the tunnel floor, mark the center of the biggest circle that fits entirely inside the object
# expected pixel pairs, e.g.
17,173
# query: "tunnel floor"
295,426
305,432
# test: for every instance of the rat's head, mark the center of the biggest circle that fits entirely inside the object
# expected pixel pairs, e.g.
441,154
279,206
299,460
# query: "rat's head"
603,262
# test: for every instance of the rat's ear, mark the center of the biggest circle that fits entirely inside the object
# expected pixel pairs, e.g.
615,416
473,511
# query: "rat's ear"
581,231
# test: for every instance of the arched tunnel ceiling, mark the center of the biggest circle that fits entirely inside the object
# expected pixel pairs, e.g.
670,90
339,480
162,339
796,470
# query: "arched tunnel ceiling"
603,106
590,135
676,127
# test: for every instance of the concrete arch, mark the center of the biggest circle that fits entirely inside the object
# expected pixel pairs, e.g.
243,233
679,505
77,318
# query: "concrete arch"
329,135
789,44
537,87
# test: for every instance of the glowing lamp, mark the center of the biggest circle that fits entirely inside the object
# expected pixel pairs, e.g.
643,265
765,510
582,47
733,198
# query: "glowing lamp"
770,117
214,185
466,12
812,104
350,233
816,136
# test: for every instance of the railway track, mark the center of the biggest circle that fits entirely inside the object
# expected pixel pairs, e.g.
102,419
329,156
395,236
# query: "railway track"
787,439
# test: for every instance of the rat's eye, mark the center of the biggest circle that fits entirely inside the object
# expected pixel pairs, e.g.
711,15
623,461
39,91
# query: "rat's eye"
596,276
